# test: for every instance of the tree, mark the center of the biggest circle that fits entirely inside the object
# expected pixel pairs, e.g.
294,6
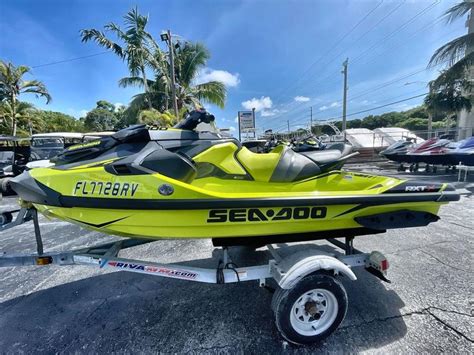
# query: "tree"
458,53
51,121
156,118
106,105
12,85
23,113
100,119
447,100
190,58
136,46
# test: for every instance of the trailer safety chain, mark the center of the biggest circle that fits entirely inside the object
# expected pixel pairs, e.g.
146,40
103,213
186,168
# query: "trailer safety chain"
220,279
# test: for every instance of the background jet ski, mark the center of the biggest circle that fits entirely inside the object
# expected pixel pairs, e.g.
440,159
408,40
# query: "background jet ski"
180,183
463,154
397,152
328,156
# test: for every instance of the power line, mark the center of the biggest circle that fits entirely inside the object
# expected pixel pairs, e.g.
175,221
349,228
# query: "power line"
404,25
69,60
351,114
363,93
330,50
381,106
363,35
391,34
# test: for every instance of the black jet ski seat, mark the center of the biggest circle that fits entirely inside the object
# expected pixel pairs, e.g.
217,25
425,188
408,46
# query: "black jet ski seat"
334,153
282,164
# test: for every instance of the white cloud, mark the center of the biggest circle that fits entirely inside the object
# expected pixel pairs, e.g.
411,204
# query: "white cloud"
236,119
269,113
259,104
325,107
208,74
301,99
232,128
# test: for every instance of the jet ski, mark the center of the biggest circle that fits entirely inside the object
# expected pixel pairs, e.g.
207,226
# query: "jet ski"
181,183
397,152
463,154
432,151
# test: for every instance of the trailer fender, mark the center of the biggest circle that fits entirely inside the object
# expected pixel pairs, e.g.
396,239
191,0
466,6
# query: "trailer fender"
290,270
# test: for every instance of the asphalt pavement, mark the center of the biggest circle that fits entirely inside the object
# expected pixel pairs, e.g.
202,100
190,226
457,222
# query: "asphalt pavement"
427,308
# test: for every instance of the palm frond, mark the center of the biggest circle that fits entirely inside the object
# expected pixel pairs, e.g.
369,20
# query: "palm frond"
213,92
458,10
35,87
452,51
101,39
134,81
456,73
190,59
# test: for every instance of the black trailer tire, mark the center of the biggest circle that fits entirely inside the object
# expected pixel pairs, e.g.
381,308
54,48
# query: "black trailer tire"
5,217
324,301
5,186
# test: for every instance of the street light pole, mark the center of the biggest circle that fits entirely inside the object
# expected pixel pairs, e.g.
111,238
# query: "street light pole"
173,83
311,120
344,96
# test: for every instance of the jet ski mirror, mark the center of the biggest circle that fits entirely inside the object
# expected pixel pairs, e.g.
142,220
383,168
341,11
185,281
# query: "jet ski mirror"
194,118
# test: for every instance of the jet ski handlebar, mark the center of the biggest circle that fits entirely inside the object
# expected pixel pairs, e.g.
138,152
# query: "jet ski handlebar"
194,118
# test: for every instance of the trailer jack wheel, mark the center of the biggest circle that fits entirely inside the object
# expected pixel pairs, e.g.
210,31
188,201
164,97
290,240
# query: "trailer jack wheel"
311,310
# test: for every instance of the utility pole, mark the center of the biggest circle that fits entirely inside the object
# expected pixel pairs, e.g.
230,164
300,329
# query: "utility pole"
344,96
254,124
311,120
288,123
173,83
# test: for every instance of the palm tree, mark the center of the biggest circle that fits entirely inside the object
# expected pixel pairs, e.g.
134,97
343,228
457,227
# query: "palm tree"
449,101
20,114
136,45
458,53
12,85
190,59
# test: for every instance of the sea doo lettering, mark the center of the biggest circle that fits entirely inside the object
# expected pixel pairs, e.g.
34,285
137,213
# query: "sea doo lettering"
257,215
83,188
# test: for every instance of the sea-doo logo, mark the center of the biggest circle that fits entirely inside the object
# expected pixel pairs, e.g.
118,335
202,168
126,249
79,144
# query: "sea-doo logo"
154,269
105,188
420,188
256,215
84,145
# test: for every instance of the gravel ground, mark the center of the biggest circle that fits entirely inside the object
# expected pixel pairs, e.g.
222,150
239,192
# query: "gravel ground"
427,308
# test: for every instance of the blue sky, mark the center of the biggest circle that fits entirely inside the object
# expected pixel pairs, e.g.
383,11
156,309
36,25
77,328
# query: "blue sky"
281,57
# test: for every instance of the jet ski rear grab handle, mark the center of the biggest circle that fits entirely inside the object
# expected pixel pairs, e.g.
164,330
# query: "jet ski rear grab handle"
286,271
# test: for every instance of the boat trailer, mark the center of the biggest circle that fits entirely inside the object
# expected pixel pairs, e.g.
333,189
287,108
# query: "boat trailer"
309,301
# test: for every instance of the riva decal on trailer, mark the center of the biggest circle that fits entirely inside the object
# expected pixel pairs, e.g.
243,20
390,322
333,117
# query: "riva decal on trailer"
105,188
256,215
154,269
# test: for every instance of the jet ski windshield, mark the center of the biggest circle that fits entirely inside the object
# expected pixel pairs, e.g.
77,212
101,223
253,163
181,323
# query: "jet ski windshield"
193,119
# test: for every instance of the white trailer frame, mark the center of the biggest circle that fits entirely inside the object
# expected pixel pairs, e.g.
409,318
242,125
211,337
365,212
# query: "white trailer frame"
292,273
285,270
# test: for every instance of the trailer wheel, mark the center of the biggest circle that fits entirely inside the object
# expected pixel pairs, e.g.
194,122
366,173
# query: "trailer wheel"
311,310
5,217
5,186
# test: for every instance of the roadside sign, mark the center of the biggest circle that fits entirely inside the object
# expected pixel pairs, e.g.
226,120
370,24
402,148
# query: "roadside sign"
246,122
